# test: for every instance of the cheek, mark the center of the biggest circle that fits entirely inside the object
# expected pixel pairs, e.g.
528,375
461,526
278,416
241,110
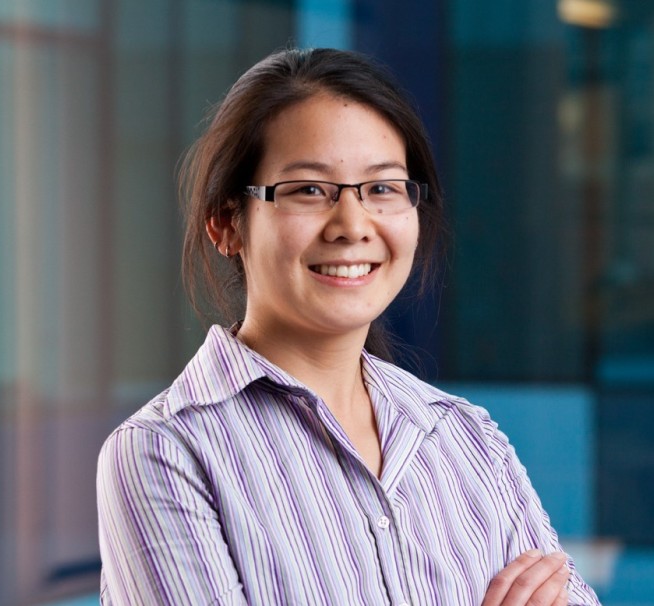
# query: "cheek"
406,234
296,234
282,241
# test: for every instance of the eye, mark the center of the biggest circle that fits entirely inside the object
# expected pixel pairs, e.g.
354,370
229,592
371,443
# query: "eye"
377,189
384,188
308,190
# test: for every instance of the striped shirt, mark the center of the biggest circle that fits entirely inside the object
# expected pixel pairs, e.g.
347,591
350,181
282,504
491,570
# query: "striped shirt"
238,486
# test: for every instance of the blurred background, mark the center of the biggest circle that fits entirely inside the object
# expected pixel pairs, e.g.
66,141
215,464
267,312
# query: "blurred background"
541,114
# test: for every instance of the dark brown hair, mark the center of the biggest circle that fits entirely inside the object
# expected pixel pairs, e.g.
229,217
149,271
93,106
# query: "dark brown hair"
222,162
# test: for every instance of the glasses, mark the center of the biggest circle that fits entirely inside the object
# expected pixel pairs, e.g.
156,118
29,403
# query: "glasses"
386,197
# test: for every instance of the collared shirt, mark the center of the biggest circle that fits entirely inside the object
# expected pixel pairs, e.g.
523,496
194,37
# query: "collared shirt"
238,486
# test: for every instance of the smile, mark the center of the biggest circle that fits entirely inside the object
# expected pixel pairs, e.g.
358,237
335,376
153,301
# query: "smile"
343,271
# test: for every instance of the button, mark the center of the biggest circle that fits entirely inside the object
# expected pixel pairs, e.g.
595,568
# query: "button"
383,522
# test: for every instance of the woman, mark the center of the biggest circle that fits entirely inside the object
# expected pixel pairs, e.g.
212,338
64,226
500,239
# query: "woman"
288,464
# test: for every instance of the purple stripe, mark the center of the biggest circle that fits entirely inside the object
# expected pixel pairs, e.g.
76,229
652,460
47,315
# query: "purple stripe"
229,490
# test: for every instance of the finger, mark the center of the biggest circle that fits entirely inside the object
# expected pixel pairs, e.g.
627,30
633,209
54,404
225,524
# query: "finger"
562,598
541,583
553,591
503,580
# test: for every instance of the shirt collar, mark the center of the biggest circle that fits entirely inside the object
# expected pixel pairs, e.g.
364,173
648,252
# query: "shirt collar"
423,404
222,368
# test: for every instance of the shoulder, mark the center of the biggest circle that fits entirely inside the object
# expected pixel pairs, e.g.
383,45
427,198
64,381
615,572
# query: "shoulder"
220,370
150,416
402,383
448,414
146,430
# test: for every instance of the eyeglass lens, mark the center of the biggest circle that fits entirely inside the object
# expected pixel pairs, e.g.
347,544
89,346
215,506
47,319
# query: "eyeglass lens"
388,196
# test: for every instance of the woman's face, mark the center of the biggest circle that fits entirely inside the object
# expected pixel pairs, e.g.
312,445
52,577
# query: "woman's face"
287,256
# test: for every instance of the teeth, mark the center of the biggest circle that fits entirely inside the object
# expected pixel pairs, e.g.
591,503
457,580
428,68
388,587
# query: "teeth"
345,271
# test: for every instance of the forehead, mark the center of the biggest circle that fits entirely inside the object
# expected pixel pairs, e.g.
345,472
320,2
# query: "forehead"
331,130
324,105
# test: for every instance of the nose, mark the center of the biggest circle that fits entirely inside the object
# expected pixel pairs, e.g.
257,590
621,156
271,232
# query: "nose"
348,219
343,186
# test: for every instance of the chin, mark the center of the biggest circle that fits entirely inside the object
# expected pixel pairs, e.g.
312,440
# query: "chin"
343,326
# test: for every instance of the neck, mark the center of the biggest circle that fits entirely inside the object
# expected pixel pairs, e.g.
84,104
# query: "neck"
330,365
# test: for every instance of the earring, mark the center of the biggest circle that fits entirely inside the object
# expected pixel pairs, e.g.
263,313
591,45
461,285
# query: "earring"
216,245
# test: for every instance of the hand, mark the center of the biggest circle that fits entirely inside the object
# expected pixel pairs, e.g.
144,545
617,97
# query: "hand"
531,579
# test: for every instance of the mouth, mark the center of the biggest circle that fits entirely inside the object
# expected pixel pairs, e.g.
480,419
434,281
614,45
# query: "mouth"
344,271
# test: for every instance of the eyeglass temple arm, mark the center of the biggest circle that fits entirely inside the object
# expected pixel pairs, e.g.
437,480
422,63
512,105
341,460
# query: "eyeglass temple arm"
262,192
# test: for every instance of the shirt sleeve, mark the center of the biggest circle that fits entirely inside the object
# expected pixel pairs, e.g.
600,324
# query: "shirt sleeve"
528,525
160,537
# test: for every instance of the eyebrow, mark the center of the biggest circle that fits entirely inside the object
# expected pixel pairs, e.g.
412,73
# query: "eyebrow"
325,169
318,167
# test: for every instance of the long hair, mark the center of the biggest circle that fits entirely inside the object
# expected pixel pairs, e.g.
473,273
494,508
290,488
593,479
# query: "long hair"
224,159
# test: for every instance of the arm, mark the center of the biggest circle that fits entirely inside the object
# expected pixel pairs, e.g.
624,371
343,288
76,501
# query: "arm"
160,537
528,528
530,579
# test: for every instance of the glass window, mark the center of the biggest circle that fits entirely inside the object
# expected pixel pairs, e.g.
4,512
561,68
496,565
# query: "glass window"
542,119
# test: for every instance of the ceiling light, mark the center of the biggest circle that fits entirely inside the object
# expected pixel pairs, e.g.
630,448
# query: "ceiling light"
588,13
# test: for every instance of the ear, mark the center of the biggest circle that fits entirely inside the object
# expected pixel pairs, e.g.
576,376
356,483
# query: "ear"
224,234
